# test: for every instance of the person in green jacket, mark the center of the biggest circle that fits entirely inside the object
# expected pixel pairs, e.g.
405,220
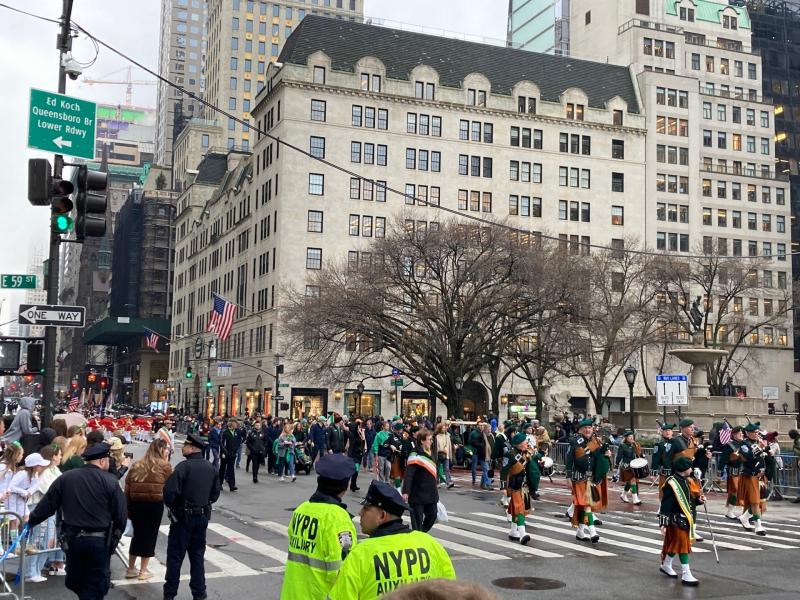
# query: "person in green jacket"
321,533
383,457
393,555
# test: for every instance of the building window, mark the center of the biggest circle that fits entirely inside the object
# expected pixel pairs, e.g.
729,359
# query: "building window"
314,258
575,111
317,146
318,108
617,117
316,184
315,221
319,75
618,149
355,225
617,182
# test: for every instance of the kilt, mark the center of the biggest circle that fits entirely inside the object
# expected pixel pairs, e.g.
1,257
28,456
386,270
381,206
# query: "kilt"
397,472
627,476
750,492
676,541
732,485
517,504
602,486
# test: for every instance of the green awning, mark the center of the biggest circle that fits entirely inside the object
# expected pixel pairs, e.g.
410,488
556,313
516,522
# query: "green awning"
111,332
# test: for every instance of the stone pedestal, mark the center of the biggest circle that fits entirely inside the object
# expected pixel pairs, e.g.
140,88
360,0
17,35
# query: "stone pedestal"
699,358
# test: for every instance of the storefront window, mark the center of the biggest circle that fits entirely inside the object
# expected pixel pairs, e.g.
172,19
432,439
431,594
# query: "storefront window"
521,407
235,404
308,406
266,401
369,405
415,406
251,402
221,401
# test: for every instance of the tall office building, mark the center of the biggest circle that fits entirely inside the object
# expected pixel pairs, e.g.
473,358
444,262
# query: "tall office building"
243,37
182,48
776,36
539,25
38,295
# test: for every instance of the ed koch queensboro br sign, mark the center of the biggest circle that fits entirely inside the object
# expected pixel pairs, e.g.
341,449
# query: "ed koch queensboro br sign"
61,124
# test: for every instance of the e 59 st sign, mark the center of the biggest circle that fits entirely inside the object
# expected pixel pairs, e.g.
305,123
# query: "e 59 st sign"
61,124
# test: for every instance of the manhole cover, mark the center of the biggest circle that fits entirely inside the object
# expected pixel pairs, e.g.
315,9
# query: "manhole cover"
528,583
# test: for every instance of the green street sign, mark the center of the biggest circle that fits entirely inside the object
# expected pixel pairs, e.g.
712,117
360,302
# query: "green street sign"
398,382
18,282
61,124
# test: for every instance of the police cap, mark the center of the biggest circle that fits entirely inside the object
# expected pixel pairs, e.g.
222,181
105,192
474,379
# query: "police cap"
96,451
335,466
195,440
385,496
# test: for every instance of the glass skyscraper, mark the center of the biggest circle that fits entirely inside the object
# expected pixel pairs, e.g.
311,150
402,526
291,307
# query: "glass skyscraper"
539,25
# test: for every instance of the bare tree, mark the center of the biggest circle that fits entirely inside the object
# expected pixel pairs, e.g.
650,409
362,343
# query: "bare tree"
744,302
433,303
614,308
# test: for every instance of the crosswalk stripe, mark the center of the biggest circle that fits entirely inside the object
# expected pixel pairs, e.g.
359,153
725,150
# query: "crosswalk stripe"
571,532
720,544
274,527
541,538
239,538
226,564
730,531
158,569
494,542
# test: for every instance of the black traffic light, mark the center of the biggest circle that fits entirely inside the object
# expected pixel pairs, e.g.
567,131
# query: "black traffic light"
45,190
9,355
91,202
36,358
189,373
103,383
787,388
208,382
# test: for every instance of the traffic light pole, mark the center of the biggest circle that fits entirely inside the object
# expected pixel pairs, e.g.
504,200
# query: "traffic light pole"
64,45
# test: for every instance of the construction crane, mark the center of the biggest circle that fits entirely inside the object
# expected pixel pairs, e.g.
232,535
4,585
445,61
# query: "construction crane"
128,81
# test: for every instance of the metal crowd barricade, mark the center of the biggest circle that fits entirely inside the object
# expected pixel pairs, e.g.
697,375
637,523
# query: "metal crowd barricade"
8,544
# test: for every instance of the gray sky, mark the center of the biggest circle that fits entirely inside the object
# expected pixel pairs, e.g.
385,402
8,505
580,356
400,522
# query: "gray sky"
28,58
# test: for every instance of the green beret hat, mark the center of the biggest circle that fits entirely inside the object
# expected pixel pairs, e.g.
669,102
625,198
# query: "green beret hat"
686,422
668,426
587,422
508,423
737,429
399,425
627,432
681,464
518,438
752,427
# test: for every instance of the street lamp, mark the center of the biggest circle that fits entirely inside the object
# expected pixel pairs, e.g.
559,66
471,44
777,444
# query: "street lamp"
359,392
630,376
459,384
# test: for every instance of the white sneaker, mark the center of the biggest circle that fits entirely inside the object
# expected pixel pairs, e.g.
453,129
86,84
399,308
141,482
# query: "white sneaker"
582,533
636,500
760,530
730,513
744,519
524,538
282,478
294,478
35,579
624,497
687,578
513,533
666,567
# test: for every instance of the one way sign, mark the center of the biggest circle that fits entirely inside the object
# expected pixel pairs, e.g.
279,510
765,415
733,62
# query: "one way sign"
55,316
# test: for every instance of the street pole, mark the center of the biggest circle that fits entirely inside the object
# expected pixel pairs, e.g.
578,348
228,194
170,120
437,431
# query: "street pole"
64,45
630,406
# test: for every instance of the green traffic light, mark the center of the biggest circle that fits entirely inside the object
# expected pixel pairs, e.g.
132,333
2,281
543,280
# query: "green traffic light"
62,223
208,384
188,373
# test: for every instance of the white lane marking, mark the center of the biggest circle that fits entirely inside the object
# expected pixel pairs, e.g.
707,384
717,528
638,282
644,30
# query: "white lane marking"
508,545
221,561
541,538
571,532
240,538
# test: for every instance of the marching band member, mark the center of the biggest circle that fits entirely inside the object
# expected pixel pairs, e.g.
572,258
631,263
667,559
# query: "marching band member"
681,495
662,456
732,458
754,469
629,450
519,476
500,451
579,465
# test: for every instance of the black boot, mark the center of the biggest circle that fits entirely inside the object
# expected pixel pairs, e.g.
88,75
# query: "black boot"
353,482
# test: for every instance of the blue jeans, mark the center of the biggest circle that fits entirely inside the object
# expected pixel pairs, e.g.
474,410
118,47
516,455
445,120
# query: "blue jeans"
485,481
186,537
286,465
446,470
215,452
239,457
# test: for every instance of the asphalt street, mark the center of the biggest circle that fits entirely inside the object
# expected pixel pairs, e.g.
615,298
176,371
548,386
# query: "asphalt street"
247,543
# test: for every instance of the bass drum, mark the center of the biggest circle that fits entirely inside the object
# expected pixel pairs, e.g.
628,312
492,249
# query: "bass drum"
640,468
547,466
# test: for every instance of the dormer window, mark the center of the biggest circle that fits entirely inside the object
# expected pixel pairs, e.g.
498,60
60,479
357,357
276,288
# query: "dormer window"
730,22
370,83
687,14
476,97
575,112
423,90
319,75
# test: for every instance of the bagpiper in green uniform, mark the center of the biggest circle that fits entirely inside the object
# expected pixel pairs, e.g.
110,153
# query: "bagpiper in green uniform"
579,465
662,456
732,459
520,472
754,468
676,515
629,450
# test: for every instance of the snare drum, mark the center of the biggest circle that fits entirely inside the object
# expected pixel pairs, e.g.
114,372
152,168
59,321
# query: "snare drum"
547,466
639,468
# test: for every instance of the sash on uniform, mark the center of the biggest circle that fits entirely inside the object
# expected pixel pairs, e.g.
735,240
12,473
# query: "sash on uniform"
422,461
685,505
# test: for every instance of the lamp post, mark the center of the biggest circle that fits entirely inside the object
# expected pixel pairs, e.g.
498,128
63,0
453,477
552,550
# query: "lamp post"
459,384
630,376
359,393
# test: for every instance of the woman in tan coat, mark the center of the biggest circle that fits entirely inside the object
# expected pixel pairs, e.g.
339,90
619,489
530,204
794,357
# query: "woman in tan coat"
144,489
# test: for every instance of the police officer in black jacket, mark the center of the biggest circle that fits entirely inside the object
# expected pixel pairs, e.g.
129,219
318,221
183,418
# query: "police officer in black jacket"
189,493
92,505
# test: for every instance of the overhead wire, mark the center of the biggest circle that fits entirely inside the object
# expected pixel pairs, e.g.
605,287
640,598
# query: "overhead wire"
461,215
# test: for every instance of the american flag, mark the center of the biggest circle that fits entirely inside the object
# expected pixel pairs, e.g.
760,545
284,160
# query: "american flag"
151,339
73,404
724,433
221,319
